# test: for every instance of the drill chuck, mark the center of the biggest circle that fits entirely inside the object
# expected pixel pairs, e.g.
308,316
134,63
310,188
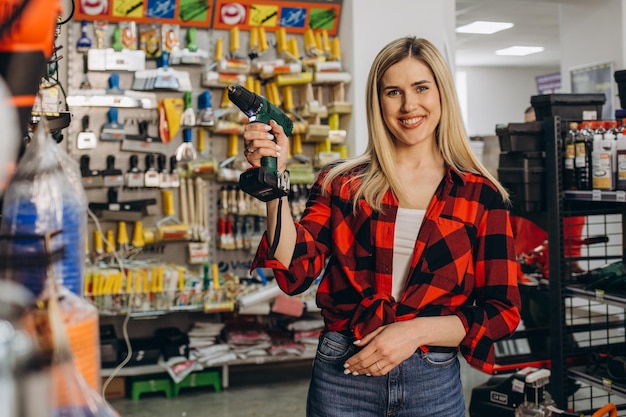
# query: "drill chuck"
257,108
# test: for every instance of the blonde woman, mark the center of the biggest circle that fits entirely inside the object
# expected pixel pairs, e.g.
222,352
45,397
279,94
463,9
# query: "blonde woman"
414,244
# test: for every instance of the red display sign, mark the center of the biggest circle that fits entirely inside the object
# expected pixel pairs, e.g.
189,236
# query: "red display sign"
294,16
175,12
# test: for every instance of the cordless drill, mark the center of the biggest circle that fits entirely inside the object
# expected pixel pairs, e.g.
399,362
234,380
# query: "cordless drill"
263,182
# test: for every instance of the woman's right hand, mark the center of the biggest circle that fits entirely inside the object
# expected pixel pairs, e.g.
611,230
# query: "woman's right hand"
259,142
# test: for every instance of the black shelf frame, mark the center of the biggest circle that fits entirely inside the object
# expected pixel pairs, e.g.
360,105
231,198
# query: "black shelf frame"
561,203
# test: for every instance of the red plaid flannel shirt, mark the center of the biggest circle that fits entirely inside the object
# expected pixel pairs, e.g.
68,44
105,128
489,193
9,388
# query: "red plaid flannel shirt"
464,262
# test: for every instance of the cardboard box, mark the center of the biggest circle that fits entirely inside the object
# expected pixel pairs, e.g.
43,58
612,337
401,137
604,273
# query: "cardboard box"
115,389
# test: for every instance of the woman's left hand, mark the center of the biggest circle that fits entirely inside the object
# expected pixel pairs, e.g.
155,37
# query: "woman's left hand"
383,349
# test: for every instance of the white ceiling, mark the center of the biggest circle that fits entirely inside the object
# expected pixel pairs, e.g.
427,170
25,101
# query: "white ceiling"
536,24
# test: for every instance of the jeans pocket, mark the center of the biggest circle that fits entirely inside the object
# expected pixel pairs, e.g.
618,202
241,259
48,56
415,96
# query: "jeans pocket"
439,359
334,347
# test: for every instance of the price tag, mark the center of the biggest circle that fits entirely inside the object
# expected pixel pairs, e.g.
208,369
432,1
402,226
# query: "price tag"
518,386
596,195
599,295
620,196
607,384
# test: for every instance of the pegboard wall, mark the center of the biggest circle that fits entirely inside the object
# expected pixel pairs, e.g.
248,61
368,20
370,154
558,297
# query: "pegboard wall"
213,146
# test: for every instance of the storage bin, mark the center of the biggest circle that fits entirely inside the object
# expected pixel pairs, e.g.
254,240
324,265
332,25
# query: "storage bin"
522,160
520,137
568,106
526,186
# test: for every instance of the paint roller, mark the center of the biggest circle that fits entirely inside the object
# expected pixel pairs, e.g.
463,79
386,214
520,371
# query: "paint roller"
170,227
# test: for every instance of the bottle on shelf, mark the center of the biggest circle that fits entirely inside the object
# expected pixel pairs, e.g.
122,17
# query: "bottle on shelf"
582,161
620,151
601,170
569,156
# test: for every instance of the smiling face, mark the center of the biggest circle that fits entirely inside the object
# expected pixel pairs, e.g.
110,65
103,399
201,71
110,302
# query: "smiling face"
410,102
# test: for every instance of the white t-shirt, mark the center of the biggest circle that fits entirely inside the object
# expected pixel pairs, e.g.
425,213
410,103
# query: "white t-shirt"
408,223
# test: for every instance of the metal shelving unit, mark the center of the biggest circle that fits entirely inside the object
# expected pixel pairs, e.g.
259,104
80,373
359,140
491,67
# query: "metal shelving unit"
586,324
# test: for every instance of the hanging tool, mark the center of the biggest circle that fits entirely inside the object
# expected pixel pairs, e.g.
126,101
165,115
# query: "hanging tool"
151,175
91,178
205,116
230,169
126,210
112,176
191,54
86,138
134,177
112,130
85,84
164,175
170,227
264,182
143,141
186,152
188,118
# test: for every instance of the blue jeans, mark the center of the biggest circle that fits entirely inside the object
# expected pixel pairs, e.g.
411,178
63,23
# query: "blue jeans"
425,385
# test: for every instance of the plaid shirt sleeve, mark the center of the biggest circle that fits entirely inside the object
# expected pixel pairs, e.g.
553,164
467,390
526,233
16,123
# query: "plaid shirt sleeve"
495,312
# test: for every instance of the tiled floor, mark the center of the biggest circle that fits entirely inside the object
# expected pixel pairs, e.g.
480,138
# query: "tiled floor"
276,390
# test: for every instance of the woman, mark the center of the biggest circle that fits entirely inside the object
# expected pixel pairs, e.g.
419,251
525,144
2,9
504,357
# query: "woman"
415,245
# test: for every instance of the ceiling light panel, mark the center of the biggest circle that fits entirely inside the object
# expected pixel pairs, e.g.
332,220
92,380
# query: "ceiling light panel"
484,27
519,50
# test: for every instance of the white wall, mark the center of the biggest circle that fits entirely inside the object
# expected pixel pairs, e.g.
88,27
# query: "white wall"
498,95
367,27
586,47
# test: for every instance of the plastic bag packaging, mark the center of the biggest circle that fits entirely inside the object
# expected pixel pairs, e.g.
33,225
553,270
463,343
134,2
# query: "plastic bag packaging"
75,206
41,198
70,318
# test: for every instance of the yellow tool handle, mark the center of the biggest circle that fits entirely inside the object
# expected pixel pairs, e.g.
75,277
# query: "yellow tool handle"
129,281
288,98
110,243
226,103
293,48
138,241
216,277
309,40
249,83
167,202
233,140
281,40
262,40
325,42
219,49
333,121
234,39
257,87
272,93
318,41
254,38
122,233
335,49
181,279
97,242
201,141
296,143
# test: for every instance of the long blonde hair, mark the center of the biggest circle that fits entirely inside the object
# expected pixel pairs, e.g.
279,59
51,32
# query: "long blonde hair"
452,140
